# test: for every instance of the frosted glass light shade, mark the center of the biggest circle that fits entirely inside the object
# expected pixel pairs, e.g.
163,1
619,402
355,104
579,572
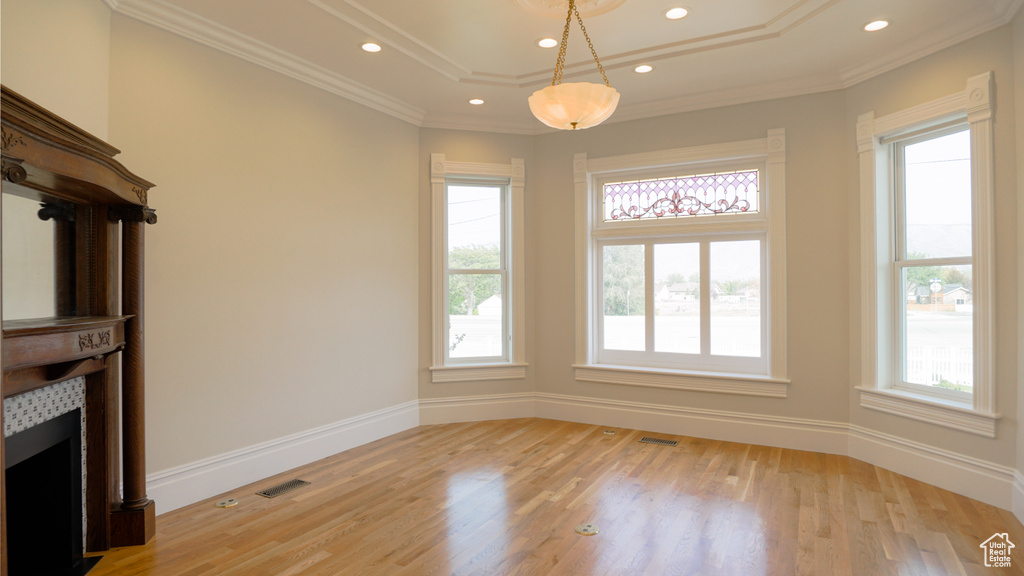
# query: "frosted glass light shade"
574,105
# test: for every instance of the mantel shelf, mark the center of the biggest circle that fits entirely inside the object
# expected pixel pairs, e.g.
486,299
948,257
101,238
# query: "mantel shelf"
40,351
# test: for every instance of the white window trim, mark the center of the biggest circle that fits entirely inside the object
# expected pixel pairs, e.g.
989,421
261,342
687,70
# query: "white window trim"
772,152
974,106
514,173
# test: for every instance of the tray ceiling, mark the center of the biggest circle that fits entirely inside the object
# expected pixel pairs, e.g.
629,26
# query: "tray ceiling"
438,55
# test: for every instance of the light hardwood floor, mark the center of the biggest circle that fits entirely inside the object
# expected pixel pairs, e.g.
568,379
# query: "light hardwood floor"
502,498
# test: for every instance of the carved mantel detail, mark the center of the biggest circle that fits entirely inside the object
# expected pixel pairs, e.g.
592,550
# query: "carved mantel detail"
10,140
94,340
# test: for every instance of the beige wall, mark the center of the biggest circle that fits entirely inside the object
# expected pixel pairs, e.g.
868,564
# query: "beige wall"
935,76
281,287
460,146
57,53
817,248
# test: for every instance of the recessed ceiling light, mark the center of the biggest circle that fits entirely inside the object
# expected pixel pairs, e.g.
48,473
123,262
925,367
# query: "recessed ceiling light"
676,13
476,101
876,25
643,69
547,43
371,47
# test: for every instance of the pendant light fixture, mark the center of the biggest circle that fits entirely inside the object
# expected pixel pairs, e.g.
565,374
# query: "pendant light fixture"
574,105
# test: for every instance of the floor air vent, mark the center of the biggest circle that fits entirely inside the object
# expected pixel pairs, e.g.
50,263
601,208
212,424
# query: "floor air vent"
275,491
658,441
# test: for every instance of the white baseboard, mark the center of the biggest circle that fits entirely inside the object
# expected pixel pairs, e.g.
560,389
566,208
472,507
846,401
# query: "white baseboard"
477,408
814,435
982,480
196,481
979,479
1018,495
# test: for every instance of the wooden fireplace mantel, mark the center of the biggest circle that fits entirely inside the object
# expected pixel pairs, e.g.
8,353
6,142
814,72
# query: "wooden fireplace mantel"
39,352
98,210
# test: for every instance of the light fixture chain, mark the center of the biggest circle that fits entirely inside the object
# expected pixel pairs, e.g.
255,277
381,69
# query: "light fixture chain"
560,63
576,105
573,9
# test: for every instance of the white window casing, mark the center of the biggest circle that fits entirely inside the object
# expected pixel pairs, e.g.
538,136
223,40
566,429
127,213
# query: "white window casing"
879,307
511,175
768,225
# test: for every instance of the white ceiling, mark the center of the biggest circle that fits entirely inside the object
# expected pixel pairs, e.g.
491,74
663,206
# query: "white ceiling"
438,54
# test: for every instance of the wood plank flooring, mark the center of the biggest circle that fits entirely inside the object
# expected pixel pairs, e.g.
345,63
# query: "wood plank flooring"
502,498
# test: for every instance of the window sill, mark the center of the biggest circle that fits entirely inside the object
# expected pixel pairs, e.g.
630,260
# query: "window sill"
743,384
474,372
946,413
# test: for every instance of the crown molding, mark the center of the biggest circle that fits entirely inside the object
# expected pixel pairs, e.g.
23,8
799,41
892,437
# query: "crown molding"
934,41
363,19
193,27
354,14
729,97
802,86
781,24
625,113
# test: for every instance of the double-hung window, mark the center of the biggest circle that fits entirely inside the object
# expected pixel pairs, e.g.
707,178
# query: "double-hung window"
933,264
477,270
683,276
926,259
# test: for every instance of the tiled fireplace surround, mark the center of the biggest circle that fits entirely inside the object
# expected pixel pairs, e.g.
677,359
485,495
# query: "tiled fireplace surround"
43,404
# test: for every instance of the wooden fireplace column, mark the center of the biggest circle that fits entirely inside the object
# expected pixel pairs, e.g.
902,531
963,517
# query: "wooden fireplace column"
99,210
135,521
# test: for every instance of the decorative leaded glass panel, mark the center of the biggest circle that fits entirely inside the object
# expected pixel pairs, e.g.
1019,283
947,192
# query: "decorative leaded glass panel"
700,195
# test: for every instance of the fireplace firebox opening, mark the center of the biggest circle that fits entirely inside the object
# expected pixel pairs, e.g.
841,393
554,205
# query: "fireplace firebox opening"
44,499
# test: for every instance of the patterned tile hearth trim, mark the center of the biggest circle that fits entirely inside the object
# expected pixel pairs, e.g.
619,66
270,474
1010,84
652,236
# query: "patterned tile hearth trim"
33,408
26,410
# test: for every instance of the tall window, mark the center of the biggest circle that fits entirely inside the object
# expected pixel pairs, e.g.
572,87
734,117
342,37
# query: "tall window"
927,261
478,287
477,272
685,268
933,263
